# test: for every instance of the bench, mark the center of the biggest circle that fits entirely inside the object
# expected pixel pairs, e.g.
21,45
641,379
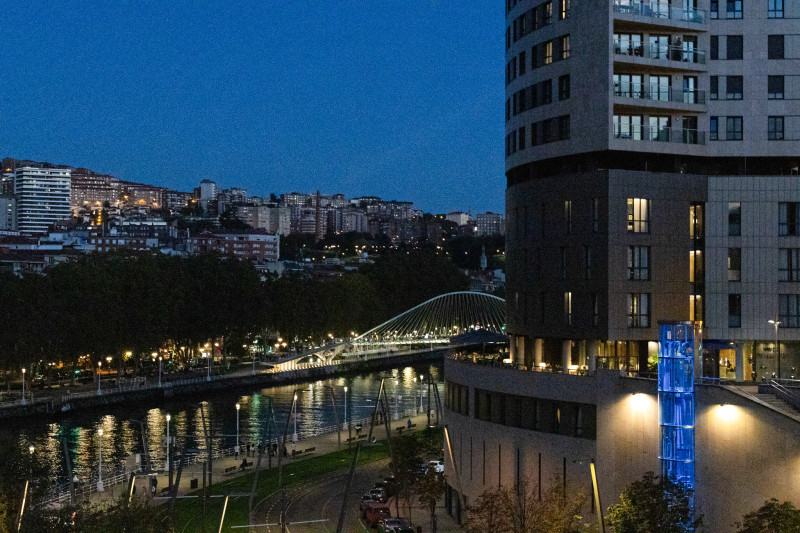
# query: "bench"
230,470
309,450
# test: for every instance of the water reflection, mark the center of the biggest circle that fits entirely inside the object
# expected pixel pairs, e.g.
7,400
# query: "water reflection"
123,426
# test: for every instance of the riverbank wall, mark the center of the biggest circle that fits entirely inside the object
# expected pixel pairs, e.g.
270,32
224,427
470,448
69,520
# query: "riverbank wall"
309,372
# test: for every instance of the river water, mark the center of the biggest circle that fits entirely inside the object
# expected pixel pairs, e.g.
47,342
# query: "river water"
122,424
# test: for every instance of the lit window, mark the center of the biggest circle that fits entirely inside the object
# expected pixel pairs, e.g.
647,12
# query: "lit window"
638,215
639,310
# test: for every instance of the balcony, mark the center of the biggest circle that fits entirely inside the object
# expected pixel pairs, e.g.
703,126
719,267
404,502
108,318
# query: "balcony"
661,12
634,132
668,54
660,93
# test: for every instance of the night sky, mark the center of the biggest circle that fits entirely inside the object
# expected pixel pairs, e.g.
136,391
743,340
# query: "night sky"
400,99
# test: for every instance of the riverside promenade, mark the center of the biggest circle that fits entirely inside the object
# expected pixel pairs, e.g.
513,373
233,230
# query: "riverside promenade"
110,392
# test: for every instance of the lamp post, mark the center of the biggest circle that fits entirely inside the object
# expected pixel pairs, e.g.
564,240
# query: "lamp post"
208,375
294,417
99,364
100,487
24,401
167,440
237,427
777,323
160,361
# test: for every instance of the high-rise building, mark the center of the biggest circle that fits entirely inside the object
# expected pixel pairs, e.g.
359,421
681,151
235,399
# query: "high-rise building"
8,210
490,223
652,152
43,197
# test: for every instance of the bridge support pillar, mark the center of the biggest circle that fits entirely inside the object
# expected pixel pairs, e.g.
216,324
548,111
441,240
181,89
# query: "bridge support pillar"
739,347
566,355
594,349
538,347
518,357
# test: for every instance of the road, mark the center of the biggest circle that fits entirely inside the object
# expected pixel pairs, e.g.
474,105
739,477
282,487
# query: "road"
321,499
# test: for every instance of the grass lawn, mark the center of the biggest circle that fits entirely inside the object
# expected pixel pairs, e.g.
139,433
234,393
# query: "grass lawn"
189,512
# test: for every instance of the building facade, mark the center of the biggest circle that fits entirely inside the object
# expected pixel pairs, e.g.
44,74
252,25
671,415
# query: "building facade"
626,168
43,197
651,167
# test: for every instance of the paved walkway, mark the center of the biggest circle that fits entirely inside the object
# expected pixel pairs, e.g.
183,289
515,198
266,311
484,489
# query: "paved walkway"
228,468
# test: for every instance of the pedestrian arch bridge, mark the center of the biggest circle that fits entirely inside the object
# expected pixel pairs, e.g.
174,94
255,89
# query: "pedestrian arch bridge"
436,324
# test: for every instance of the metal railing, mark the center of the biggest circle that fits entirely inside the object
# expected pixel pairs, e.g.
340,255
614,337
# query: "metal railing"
646,133
774,387
661,52
659,10
659,93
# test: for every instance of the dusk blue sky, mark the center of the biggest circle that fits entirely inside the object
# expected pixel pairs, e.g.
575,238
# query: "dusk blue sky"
400,99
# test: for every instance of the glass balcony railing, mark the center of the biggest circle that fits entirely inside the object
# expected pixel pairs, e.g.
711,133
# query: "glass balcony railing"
661,52
659,10
635,132
660,93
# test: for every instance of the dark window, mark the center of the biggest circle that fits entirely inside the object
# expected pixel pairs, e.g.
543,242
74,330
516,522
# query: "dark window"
713,90
595,310
534,57
563,128
534,134
789,264
562,270
789,218
595,215
735,45
638,262
775,46
568,216
587,262
733,128
734,9
563,87
639,310
508,108
565,47
734,310
713,128
714,8
734,219
775,128
714,52
789,310
522,63
734,264
508,38
775,87
775,9
521,136
733,87
547,91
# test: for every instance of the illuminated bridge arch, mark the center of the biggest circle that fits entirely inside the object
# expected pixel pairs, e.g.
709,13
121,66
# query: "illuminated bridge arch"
438,319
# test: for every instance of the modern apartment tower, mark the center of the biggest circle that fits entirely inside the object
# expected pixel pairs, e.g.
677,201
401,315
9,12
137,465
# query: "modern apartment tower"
652,157
42,197
652,151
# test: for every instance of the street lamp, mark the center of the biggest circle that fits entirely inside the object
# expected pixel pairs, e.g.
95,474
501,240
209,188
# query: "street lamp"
237,427
344,425
208,375
100,487
24,401
294,416
777,323
167,440
99,364
160,360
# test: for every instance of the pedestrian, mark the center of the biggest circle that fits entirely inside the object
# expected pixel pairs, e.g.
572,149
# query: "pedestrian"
409,423
244,464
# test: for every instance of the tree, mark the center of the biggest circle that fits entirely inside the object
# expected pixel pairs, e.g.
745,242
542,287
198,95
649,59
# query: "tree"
772,517
520,510
405,465
488,513
430,488
654,503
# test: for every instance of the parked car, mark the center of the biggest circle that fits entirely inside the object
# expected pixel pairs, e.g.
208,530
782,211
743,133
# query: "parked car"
366,499
375,513
378,494
436,466
392,485
394,525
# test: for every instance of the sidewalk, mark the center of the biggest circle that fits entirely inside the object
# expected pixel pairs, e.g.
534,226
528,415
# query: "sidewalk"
322,444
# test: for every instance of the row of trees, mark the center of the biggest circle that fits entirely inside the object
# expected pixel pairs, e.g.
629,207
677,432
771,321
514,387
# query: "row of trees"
108,304
650,504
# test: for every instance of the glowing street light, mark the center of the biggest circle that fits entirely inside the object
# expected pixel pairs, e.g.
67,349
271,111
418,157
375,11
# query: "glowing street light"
24,401
777,323
160,360
237,427
167,440
100,487
99,364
